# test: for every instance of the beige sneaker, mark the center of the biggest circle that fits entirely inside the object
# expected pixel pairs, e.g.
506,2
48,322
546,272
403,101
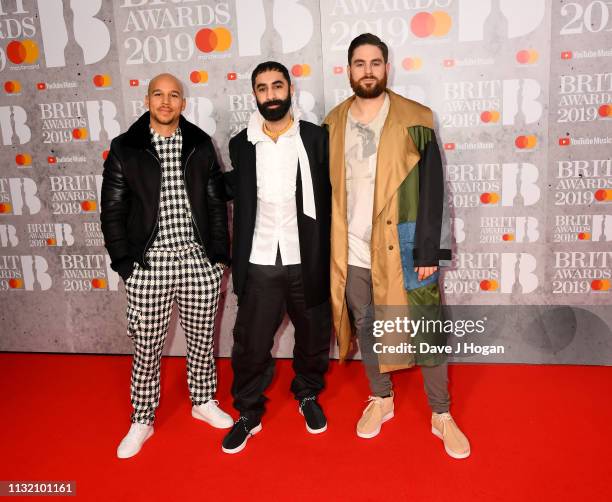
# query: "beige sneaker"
376,413
455,442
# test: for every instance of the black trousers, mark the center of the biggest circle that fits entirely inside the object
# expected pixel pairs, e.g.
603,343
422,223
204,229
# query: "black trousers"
270,291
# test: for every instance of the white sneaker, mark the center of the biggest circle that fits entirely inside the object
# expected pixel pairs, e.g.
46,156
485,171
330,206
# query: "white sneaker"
132,443
210,413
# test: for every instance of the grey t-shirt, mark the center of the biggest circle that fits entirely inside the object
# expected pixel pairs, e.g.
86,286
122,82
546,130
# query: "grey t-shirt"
360,157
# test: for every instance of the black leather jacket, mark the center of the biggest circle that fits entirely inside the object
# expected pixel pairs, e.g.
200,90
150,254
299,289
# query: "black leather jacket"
131,190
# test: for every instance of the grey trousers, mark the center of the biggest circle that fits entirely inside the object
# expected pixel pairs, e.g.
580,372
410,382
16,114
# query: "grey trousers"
361,310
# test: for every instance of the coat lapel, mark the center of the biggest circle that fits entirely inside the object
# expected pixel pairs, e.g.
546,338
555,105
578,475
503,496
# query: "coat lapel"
397,156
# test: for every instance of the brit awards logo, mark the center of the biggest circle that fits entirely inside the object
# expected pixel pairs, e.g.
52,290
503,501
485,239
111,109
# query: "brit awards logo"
493,184
579,272
583,182
508,229
582,228
76,121
14,125
507,273
24,273
75,194
50,234
88,272
18,196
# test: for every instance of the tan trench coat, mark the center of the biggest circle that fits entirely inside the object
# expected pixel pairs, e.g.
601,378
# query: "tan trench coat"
397,156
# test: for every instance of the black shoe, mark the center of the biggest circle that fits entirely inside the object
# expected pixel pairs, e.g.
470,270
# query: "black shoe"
236,439
315,418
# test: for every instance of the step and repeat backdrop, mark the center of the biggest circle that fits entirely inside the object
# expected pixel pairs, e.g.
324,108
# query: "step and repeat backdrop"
521,90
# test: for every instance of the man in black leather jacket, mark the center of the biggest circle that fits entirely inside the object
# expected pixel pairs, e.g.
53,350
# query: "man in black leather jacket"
164,221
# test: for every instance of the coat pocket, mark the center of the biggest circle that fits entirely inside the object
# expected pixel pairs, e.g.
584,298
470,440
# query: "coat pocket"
406,232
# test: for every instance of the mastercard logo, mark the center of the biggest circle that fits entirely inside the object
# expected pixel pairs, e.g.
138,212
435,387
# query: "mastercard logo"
600,285
489,198
508,237
213,40
527,56
12,87
41,86
51,242
604,195
80,133
412,64
98,283
564,141
300,70
435,24
16,283
24,51
105,154
489,285
489,116
526,142
449,146
5,208
23,159
102,80
51,160
605,111
584,236
338,70
88,205
566,55
199,77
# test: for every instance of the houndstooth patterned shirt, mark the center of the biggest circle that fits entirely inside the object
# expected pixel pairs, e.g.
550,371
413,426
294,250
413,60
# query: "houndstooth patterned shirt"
175,228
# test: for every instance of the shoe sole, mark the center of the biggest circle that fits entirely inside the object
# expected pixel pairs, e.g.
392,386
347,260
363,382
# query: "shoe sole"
197,416
370,435
314,431
450,453
149,434
241,446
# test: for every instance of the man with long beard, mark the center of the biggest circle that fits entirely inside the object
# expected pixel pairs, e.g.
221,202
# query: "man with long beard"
390,230
281,191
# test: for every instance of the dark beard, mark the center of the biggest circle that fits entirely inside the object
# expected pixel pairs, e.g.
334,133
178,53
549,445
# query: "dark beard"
274,114
369,92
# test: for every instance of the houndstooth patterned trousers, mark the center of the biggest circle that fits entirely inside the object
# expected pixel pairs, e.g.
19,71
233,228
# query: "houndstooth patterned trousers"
190,279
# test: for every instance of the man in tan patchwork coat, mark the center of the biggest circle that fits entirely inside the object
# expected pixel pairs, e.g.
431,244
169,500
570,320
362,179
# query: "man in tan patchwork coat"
390,231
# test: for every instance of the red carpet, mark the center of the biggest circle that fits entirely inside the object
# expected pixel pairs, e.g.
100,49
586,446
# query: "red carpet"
537,433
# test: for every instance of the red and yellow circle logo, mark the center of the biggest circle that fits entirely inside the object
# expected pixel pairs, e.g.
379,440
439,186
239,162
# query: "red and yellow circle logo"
23,159
489,285
301,70
98,283
527,56
89,205
489,116
22,51
80,133
603,195
199,77
605,111
213,40
435,24
600,285
412,64
508,237
15,283
102,80
489,198
526,142
584,236
12,87
5,207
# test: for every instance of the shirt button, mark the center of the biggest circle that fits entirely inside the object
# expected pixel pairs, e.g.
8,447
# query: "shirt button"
388,222
390,248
